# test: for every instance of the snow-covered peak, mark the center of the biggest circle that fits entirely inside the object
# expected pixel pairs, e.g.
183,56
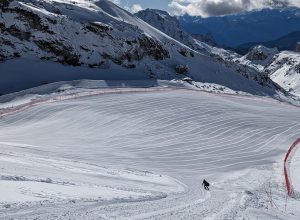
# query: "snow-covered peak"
80,30
282,67
258,57
100,40
285,71
161,20
169,25
261,54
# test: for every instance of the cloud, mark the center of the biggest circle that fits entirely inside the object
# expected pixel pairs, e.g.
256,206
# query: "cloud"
221,7
136,8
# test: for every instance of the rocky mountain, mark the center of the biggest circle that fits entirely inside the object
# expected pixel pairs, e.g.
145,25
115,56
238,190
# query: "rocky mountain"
245,27
44,41
75,33
170,26
258,57
282,67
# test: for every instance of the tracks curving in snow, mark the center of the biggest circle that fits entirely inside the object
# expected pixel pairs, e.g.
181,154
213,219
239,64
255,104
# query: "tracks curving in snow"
184,134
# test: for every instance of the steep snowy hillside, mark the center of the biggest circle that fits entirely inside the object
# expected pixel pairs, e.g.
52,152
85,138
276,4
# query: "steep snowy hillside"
52,40
170,26
282,67
245,27
258,57
285,71
77,33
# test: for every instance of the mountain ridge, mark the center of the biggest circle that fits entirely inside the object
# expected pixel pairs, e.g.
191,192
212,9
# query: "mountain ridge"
244,27
287,42
100,40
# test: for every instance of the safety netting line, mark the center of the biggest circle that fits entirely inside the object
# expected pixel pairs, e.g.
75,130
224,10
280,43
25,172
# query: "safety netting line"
286,174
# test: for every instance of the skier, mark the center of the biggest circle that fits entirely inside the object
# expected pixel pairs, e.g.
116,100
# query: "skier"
205,184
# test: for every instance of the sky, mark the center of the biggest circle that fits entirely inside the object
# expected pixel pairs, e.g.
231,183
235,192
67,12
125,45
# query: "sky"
204,8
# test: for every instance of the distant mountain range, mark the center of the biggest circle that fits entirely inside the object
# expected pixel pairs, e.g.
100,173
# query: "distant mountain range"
287,42
247,29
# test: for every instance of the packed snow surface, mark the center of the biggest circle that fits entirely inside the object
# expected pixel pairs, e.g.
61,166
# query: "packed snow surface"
143,155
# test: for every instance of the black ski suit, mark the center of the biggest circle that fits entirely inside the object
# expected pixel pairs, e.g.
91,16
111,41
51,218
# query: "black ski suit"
205,184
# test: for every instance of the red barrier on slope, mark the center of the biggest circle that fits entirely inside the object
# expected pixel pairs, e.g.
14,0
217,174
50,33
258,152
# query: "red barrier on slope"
287,181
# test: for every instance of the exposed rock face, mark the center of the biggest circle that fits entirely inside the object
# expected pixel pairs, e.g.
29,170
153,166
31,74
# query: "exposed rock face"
50,31
5,3
100,35
182,69
260,53
153,49
170,26
257,56
160,20
283,68
67,54
285,71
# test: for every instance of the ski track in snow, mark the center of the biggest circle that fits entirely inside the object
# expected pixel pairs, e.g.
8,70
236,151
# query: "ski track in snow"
187,135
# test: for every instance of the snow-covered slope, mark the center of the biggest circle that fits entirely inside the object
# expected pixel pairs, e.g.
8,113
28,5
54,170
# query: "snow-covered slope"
143,155
285,71
77,33
259,57
170,26
52,40
254,65
282,67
